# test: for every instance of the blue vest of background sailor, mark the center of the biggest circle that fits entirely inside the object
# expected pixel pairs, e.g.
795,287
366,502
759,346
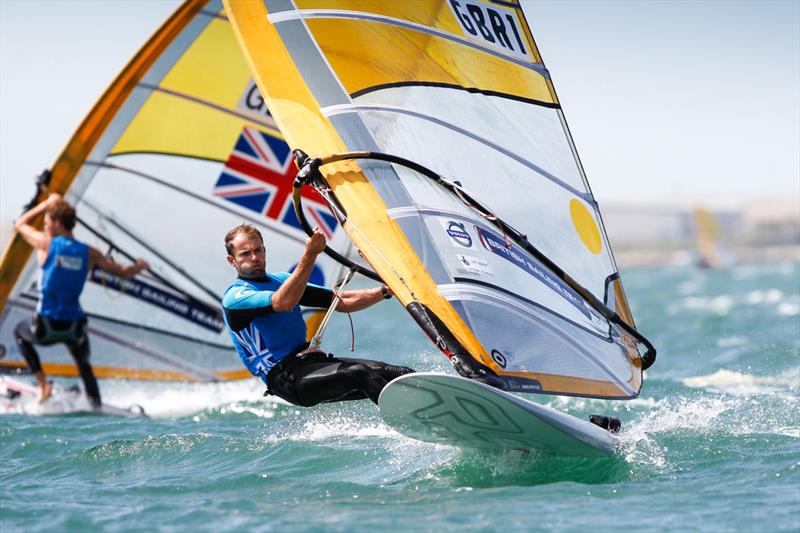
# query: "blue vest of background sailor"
261,336
61,279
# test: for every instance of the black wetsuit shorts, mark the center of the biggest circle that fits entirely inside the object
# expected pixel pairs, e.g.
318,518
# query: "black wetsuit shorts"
309,378
44,332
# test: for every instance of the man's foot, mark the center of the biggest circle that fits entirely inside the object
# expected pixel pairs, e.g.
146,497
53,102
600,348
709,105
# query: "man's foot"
45,391
610,423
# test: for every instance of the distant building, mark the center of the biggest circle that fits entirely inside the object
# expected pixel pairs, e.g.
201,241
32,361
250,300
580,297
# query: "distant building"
772,221
665,234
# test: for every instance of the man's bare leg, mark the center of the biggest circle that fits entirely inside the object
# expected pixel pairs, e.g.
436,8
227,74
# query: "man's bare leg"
45,387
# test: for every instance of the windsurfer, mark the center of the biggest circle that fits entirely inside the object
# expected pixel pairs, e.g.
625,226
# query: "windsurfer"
65,263
262,312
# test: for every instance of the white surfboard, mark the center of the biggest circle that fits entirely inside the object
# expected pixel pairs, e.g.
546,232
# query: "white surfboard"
21,398
453,410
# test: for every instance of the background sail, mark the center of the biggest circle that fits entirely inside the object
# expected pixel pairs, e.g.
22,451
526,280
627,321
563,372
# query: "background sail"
179,149
711,252
460,88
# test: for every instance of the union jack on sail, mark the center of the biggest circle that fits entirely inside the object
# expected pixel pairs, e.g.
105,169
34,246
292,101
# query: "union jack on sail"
258,176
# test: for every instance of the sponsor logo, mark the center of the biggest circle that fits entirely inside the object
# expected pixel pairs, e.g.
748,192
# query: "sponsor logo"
69,262
497,245
194,311
459,234
527,386
252,102
475,265
491,25
241,293
499,358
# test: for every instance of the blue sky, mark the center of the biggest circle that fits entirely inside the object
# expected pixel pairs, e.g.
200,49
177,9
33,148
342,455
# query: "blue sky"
668,102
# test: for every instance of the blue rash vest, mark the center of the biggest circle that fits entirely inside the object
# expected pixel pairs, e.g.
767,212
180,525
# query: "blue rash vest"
61,279
262,336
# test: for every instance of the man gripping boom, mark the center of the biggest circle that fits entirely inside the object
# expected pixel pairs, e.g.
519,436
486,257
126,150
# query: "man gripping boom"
262,312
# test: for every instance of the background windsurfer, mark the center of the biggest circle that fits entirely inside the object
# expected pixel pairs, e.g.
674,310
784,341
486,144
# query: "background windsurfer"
65,263
262,312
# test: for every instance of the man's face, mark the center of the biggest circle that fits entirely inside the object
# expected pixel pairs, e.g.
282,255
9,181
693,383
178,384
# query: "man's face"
249,256
51,227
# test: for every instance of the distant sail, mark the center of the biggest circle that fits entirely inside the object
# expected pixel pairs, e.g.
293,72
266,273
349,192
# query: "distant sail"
711,252
178,150
527,288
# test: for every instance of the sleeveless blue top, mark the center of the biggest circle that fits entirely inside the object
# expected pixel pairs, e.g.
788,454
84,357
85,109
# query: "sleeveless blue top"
262,336
61,280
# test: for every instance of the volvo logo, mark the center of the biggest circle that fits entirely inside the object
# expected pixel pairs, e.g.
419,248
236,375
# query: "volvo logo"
458,233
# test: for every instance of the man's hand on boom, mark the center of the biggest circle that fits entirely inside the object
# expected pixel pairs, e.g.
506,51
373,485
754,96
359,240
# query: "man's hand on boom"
316,243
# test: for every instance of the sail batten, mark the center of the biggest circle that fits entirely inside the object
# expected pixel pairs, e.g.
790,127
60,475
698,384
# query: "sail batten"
332,111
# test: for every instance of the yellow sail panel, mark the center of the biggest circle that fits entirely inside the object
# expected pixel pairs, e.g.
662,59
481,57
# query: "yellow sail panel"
706,231
170,125
360,64
206,70
298,114
171,121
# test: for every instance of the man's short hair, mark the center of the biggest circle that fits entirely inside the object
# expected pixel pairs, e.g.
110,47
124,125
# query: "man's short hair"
64,213
247,229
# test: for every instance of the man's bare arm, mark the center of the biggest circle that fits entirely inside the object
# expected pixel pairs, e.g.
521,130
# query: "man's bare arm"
107,264
24,224
289,294
358,299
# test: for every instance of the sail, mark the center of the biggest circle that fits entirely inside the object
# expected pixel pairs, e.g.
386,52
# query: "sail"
710,250
178,150
504,262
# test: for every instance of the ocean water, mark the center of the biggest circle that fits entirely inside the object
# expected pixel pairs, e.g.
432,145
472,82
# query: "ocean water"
712,443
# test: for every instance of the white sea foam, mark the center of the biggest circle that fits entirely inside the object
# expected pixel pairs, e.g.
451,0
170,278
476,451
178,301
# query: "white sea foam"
180,399
737,383
577,403
726,342
714,416
788,432
769,296
640,439
788,309
692,414
689,287
720,305
342,426
61,402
